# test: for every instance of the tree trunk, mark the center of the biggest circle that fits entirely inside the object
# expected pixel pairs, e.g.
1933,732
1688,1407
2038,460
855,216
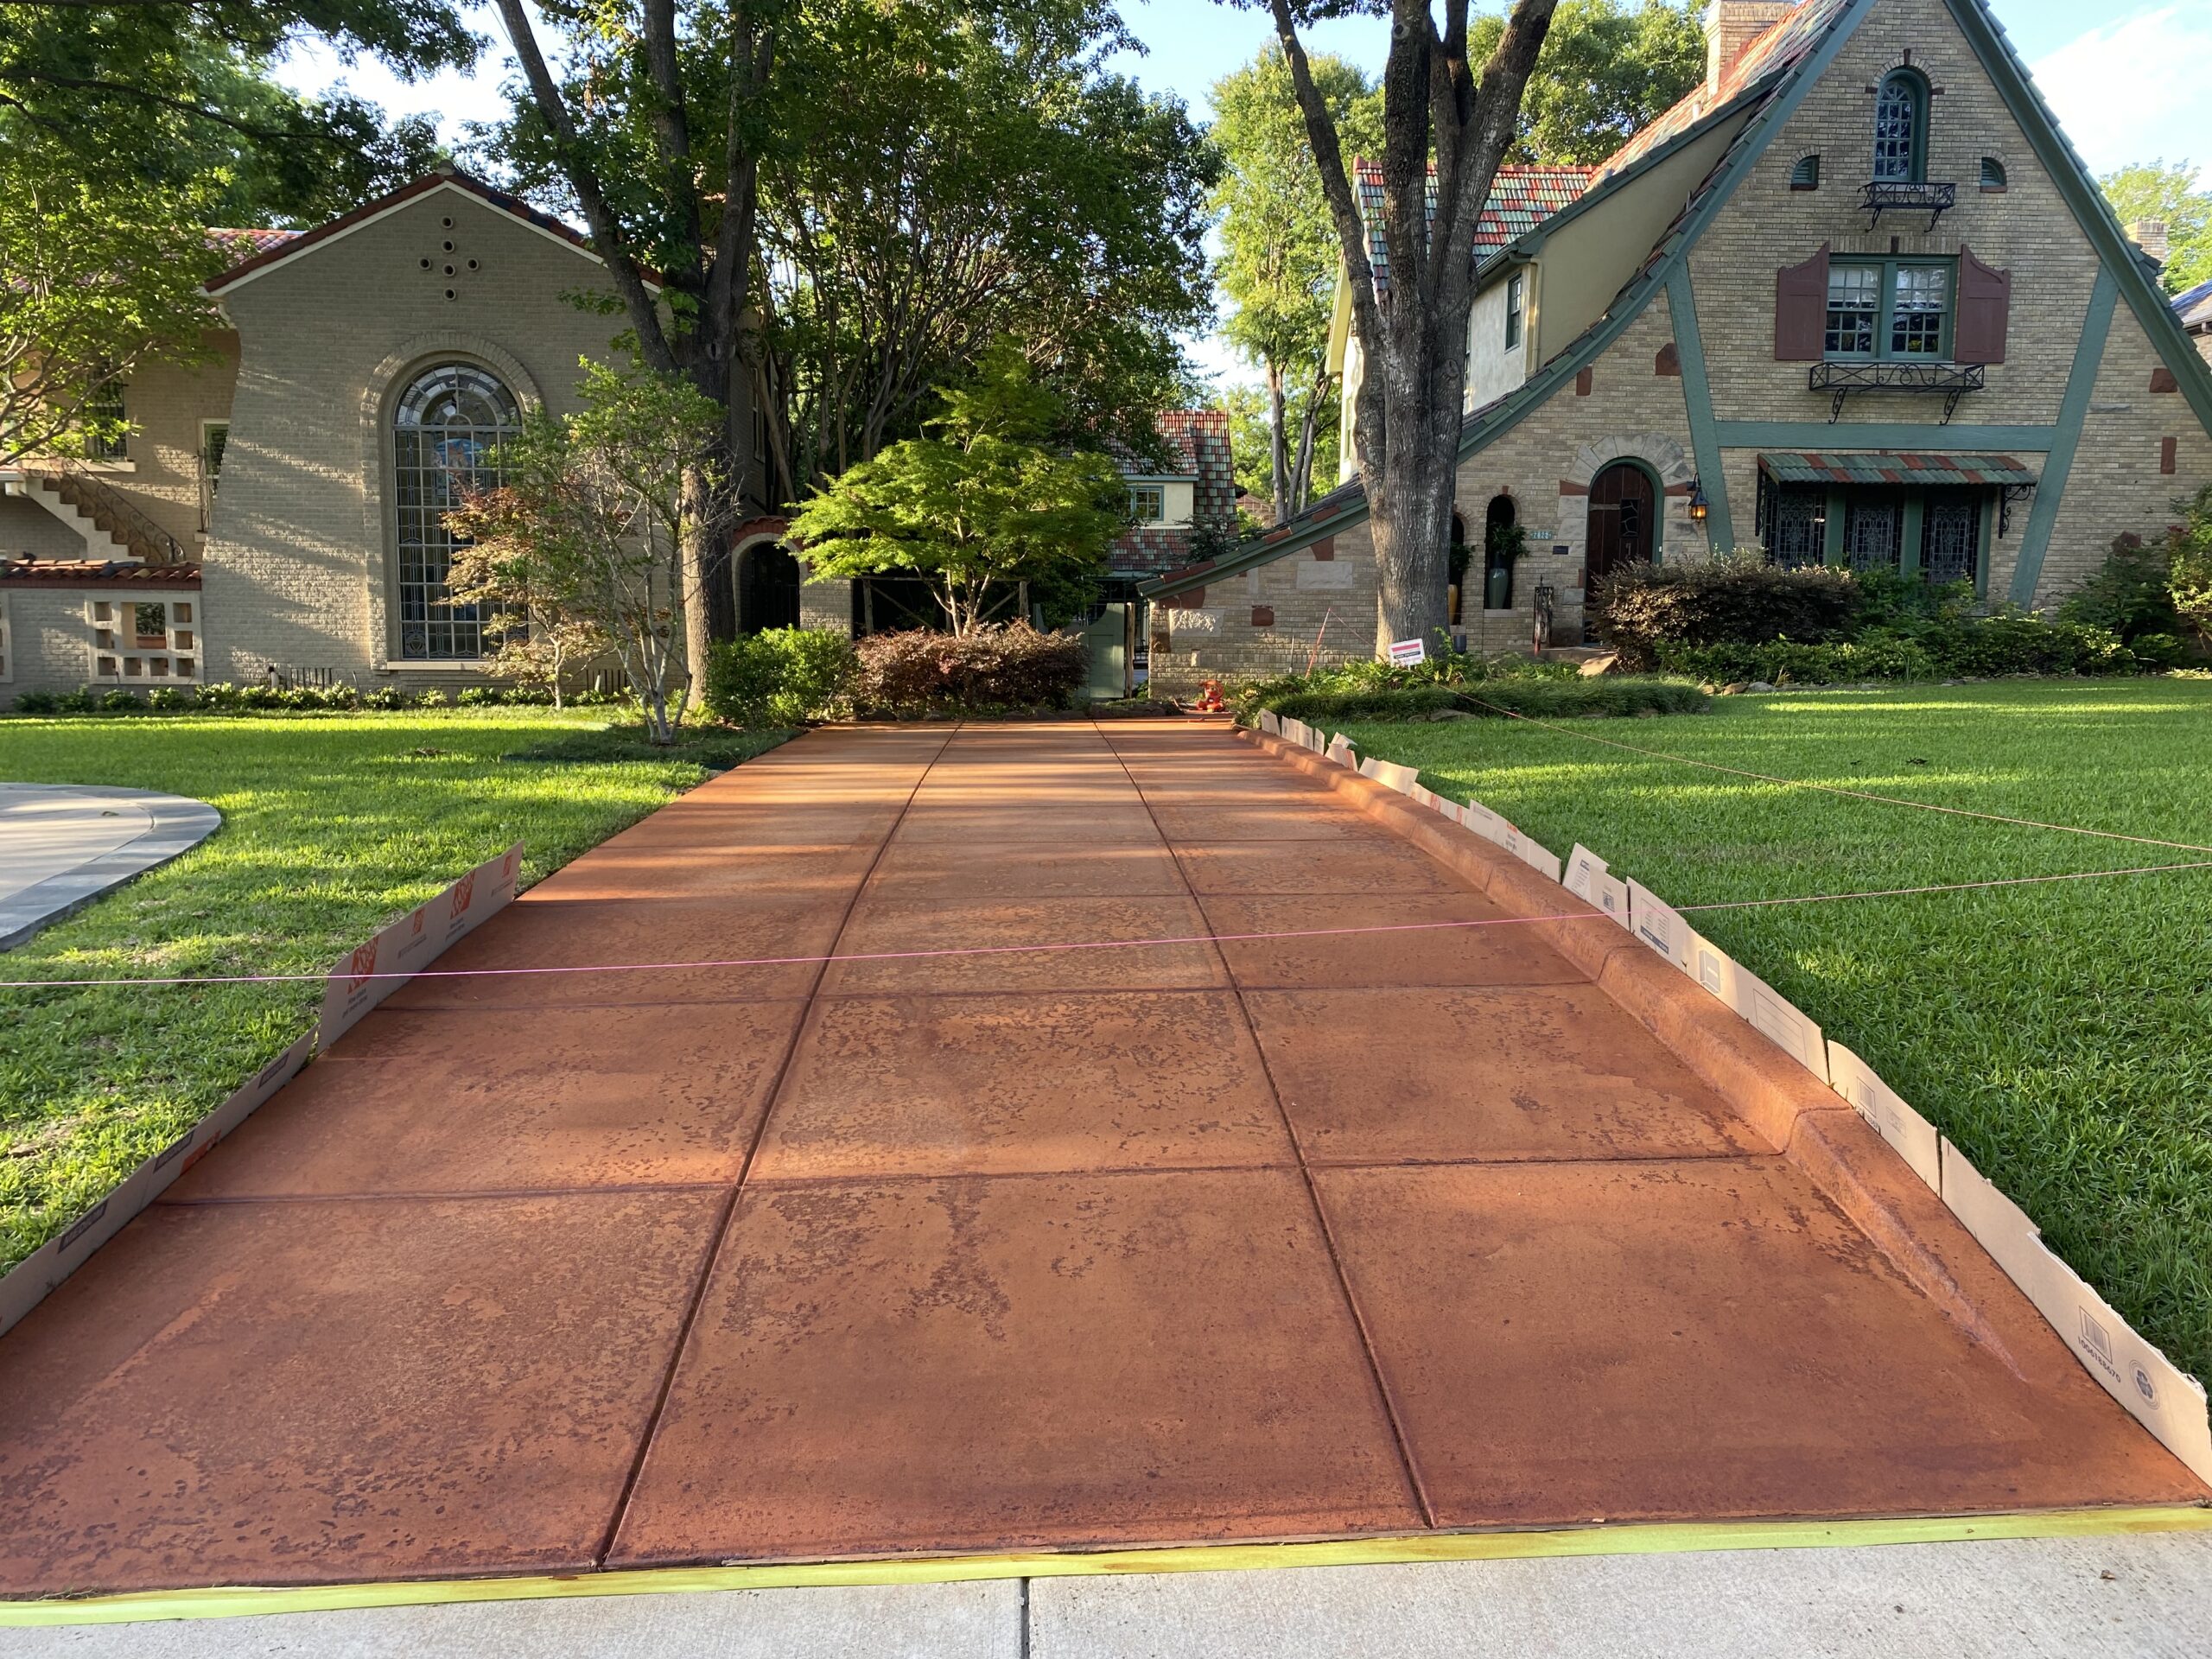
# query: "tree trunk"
1301,471
1278,452
695,561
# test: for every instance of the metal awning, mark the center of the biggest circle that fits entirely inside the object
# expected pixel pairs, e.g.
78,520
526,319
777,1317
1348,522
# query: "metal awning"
1893,467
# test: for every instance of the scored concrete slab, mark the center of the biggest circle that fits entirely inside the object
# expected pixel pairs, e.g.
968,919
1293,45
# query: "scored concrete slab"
905,931
1014,870
1026,1082
979,1363
438,1101
284,1393
62,845
1377,863
1384,1076
1575,1342
1383,938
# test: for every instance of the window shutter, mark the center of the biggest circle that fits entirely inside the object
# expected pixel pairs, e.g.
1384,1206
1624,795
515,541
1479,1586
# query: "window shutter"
1800,309
1985,311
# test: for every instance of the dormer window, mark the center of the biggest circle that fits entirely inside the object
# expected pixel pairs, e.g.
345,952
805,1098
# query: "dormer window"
1901,129
1806,175
1147,503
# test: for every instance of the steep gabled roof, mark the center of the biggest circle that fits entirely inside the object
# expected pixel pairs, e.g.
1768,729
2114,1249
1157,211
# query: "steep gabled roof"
2194,306
274,248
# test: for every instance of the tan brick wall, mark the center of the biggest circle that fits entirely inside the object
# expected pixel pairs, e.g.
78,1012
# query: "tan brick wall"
298,565
166,404
52,638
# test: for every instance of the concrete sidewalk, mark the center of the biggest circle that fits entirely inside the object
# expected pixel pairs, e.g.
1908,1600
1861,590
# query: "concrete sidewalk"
1094,1194
62,845
2122,1597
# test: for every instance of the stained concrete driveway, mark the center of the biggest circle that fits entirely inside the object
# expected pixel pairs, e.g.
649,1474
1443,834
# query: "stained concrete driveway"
1238,1228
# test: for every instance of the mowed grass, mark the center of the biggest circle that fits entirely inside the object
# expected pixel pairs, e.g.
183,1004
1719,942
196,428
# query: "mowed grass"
2061,1034
332,826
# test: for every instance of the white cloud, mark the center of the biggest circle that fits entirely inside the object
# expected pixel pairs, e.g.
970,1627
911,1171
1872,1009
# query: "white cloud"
2132,90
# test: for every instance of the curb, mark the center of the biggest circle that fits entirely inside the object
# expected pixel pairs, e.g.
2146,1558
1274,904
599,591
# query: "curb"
175,824
1808,1124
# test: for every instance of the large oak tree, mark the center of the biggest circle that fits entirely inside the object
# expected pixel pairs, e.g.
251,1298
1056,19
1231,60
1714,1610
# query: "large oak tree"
1438,105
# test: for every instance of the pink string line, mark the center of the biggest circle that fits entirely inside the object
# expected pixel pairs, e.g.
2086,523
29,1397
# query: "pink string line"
1093,944
1834,789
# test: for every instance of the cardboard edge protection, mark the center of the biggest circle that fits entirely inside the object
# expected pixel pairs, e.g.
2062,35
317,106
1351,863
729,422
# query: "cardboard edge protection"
1821,1129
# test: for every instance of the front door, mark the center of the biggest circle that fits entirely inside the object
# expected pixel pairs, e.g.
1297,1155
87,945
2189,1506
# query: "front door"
1623,524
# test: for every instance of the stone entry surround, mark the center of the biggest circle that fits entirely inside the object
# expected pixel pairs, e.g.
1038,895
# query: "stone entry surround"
1248,1231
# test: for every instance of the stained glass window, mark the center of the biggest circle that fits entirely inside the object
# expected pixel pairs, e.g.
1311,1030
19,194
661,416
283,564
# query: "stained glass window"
1897,123
445,431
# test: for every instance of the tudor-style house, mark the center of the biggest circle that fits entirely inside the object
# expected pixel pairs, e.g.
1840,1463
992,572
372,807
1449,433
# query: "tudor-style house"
1855,301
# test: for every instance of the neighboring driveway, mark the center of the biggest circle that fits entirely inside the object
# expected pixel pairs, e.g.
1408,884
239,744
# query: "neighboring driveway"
1266,1228
62,845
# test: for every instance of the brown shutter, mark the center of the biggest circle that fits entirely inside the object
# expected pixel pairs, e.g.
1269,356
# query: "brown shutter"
1800,309
1985,311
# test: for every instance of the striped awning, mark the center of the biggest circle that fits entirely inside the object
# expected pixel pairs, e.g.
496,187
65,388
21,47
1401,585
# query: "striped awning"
1892,466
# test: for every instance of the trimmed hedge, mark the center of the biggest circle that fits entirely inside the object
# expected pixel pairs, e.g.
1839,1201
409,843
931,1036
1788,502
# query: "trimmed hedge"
1955,648
1642,610
222,698
1612,696
1008,668
780,677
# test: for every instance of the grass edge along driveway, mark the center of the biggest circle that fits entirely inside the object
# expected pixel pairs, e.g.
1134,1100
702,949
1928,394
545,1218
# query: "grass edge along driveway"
332,825
2061,1034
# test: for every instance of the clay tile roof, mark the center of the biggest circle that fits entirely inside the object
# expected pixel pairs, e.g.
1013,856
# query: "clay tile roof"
243,244
78,573
1521,198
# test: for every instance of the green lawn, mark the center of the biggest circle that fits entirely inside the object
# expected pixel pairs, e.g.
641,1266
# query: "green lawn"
2061,1035
332,825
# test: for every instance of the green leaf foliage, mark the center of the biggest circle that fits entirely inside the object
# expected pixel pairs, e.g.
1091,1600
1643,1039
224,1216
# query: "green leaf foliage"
1608,68
2174,196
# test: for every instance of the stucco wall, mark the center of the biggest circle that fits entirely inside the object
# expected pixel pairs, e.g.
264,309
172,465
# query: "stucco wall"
27,527
298,565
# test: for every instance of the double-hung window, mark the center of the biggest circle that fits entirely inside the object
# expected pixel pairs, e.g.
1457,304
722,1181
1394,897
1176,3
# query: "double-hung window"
1514,295
1889,310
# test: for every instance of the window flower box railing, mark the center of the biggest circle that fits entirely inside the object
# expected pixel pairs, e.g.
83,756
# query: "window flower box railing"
1950,381
1908,196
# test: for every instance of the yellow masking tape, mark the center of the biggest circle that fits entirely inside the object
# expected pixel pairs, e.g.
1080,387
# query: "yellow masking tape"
1656,1538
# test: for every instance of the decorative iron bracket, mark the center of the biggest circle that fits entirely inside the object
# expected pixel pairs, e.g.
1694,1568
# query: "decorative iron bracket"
1951,381
1907,196
2006,496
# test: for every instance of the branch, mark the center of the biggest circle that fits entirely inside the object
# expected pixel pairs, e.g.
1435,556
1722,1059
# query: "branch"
1336,187
179,105
606,229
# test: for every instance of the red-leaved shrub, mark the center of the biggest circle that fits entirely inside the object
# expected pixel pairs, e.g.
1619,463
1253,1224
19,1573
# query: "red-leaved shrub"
996,669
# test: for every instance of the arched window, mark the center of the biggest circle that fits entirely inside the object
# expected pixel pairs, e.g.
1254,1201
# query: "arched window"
1806,175
444,431
1901,128
1992,174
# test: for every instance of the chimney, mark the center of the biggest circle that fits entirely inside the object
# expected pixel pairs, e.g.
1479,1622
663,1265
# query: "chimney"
2150,235
1732,25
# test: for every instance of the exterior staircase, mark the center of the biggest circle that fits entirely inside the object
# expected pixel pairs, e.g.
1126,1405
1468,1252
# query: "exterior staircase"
106,510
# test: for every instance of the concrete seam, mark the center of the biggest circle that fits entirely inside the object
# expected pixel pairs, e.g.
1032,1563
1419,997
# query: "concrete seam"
1305,1175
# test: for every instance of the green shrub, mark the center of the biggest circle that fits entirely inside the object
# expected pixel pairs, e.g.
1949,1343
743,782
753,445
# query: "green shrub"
38,702
1610,696
480,697
385,696
120,702
2132,594
1639,609
172,699
76,703
2161,650
1365,675
1000,669
779,677
2010,642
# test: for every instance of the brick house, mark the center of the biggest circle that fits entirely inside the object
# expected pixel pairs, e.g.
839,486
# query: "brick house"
2193,307
291,483
1855,300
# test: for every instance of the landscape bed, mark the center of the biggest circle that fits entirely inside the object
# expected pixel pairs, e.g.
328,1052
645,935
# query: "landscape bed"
2056,1031
332,825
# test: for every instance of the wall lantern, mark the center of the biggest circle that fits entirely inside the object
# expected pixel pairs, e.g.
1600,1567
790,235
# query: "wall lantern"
1699,505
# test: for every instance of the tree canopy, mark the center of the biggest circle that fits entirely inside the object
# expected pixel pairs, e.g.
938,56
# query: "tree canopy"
1608,68
984,502
1279,258
2153,190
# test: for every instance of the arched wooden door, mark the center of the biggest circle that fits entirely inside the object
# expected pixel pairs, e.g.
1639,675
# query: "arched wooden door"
768,589
1624,520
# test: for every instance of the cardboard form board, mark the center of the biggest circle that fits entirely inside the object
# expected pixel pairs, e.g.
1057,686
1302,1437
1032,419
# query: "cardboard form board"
1391,775
29,1282
1583,869
1759,1004
1912,1135
1660,925
1538,858
1610,894
1484,823
2164,1399
1422,797
1341,751
376,969
1269,724
1316,739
